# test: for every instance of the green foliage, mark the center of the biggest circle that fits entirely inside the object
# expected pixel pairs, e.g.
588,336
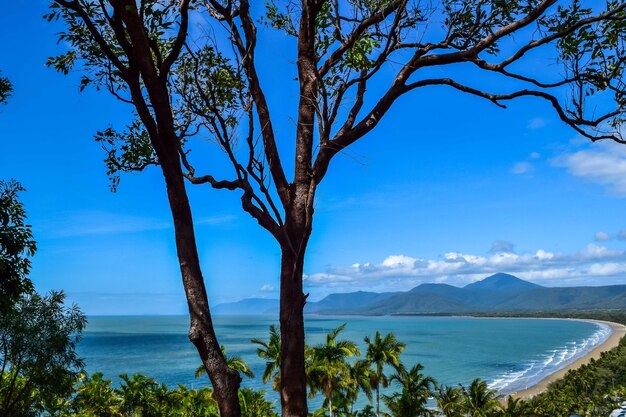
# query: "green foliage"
206,90
380,352
16,246
130,150
254,404
94,396
328,369
449,401
470,21
412,400
270,352
6,89
38,361
478,400
593,389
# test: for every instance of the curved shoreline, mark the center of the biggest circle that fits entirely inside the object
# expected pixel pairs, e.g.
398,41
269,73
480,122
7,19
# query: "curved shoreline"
617,332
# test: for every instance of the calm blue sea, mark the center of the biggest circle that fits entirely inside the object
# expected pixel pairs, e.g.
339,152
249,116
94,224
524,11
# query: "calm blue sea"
511,354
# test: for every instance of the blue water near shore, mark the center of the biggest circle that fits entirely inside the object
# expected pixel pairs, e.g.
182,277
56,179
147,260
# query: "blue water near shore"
511,354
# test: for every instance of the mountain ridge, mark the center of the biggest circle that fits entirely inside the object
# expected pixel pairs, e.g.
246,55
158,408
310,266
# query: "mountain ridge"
497,293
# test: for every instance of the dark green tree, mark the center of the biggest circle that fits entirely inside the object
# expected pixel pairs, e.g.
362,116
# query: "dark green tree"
179,85
94,396
16,246
254,404
449,401
38,360
381,352
6,89
415,390
478,400
328,369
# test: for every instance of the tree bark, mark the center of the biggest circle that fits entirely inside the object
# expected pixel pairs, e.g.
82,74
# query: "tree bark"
292,367
225,381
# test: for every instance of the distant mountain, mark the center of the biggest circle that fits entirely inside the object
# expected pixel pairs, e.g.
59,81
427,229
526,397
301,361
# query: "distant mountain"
495,294
501,282
346,303
247,307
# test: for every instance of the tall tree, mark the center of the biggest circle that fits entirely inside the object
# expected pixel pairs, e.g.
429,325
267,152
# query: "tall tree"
360,380
329,370
179,85
382,351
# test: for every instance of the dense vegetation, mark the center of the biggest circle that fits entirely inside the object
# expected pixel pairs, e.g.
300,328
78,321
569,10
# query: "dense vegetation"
340,373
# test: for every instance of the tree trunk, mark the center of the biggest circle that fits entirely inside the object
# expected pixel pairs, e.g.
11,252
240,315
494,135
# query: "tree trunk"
377,400
292,300
225,381
330,405
160,125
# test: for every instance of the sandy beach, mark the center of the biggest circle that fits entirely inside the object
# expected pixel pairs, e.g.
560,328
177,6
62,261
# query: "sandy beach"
618,331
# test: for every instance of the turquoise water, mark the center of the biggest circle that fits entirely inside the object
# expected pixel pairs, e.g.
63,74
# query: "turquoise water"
511,354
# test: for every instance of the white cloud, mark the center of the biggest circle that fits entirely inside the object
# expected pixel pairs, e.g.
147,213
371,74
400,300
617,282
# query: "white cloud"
399,261
401,272
536,123
267,288
601,163
602,236
534,155
521,168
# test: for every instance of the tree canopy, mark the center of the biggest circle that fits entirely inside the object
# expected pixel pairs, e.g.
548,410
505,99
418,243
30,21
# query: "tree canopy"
6,89
16,246
38,357
354,61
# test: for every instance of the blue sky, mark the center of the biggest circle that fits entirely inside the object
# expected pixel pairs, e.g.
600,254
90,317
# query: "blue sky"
448,188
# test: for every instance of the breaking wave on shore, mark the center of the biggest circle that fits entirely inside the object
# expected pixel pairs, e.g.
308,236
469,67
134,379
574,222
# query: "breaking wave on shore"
534,371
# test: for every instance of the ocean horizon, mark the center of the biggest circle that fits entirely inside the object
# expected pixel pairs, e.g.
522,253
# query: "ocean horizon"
511,354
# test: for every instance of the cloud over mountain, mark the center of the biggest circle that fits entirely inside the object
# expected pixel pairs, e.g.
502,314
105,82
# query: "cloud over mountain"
595,264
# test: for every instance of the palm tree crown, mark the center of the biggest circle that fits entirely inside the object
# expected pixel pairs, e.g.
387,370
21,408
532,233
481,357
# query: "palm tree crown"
270,351
328,369
412,400
380,352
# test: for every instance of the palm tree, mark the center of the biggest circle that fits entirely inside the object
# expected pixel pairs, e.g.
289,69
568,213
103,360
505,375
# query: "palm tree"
380,352
233,362
516,407
328,369
411,401
254,404
449,401
270,351
360,380
479,400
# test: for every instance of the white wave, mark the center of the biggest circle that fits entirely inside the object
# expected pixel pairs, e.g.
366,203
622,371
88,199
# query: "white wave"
536,370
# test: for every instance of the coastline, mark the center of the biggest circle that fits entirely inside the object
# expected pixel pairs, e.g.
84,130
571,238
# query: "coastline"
617,332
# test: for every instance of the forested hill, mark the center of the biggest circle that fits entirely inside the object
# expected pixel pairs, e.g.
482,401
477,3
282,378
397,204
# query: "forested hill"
495,294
